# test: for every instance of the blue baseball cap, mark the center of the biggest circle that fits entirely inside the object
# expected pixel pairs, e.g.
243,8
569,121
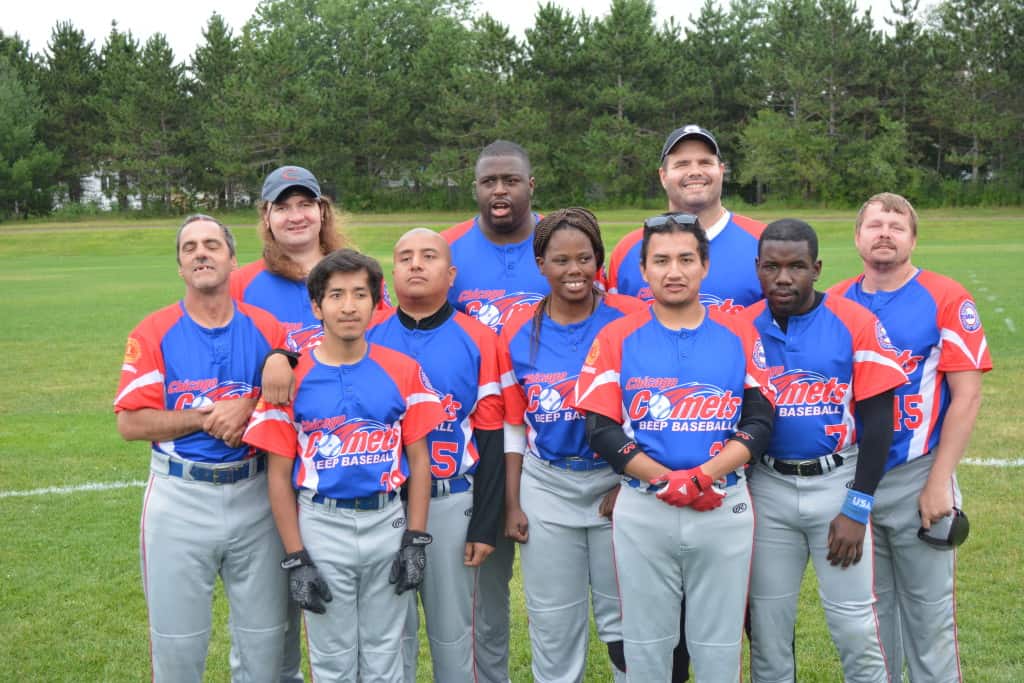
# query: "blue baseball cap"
686,132
281,179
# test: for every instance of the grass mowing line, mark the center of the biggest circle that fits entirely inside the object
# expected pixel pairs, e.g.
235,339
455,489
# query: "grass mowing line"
106,486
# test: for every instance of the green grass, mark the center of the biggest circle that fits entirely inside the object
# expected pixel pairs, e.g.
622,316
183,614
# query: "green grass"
71,606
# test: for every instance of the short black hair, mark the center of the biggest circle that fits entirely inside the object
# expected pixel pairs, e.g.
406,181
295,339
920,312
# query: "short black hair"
670,226
504,148
344,261
790,230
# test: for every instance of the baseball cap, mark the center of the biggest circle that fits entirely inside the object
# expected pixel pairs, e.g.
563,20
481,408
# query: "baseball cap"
689,131
948,532
280,179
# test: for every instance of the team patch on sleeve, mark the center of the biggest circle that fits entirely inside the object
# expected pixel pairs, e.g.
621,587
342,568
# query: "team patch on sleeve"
969,318
883,337
594,353
758,357
133,351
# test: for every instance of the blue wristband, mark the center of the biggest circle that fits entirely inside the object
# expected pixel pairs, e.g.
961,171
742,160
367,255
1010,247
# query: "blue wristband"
857,506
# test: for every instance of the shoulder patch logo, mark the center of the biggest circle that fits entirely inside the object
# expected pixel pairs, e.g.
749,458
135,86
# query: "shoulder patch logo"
760,361
883,337
133,351
593,353
969,318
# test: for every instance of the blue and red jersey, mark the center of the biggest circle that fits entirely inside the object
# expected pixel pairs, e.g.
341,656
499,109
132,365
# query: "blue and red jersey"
823,363
677,393
934,328
731,283
173,363
494,281
545,367
460,356
349,424
287,300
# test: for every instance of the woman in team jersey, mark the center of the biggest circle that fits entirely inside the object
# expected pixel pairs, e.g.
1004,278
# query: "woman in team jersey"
555,481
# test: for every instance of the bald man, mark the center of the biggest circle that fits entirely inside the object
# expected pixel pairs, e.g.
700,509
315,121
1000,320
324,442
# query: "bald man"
460,356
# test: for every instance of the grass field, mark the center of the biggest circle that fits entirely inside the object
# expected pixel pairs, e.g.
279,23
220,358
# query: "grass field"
71,605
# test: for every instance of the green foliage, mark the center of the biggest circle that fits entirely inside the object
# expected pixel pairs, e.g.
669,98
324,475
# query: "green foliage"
27,167
389,102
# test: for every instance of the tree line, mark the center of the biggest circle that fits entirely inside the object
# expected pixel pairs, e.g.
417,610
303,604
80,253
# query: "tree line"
389,101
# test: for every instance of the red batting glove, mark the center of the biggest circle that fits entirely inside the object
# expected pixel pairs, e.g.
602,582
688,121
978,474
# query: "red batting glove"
682,487
709,499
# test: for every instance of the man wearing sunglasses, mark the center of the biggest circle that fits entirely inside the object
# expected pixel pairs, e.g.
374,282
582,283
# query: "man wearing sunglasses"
691,172
936,332
677,399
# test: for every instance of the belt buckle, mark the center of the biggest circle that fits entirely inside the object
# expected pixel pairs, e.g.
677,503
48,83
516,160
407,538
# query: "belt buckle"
808,468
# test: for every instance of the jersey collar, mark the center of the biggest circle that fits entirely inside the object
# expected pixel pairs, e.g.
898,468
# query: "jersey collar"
432,321
716,229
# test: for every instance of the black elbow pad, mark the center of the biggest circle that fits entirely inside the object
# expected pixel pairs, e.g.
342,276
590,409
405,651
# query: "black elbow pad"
609,440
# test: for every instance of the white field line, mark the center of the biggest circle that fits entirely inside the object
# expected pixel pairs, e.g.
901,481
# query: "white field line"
79,488
107,486
1010,326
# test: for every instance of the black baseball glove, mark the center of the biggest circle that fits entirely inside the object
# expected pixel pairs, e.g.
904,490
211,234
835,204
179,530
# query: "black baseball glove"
305,584
408,567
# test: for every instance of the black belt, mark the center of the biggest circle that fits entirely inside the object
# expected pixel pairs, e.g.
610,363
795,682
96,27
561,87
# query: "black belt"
804,468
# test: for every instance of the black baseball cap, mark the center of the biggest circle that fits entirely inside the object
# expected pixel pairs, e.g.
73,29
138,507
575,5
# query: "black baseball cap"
281,179
686,132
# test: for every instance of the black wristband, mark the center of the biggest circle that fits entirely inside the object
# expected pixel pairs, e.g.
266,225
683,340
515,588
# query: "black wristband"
293,358
299,558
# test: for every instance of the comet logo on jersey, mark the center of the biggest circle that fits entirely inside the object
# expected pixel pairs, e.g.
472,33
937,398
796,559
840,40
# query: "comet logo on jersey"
802,392
302,338
715,303
496,312
690,407
354,442
205,392
550,398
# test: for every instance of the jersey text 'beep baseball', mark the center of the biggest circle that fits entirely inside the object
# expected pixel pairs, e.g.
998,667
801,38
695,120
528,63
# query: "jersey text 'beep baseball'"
678,393
349,424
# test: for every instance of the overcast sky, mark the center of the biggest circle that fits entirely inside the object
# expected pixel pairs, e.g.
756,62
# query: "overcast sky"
182,21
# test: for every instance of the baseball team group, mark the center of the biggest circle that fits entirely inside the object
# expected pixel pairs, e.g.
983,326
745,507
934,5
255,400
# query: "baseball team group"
667,435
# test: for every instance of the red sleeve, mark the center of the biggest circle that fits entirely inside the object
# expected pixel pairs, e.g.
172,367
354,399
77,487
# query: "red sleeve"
875,366
142,370
841,288
598,389
752,227
272,428
963,342
241,278
615,260
624,303
456,231
267,324
489,411
511,390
